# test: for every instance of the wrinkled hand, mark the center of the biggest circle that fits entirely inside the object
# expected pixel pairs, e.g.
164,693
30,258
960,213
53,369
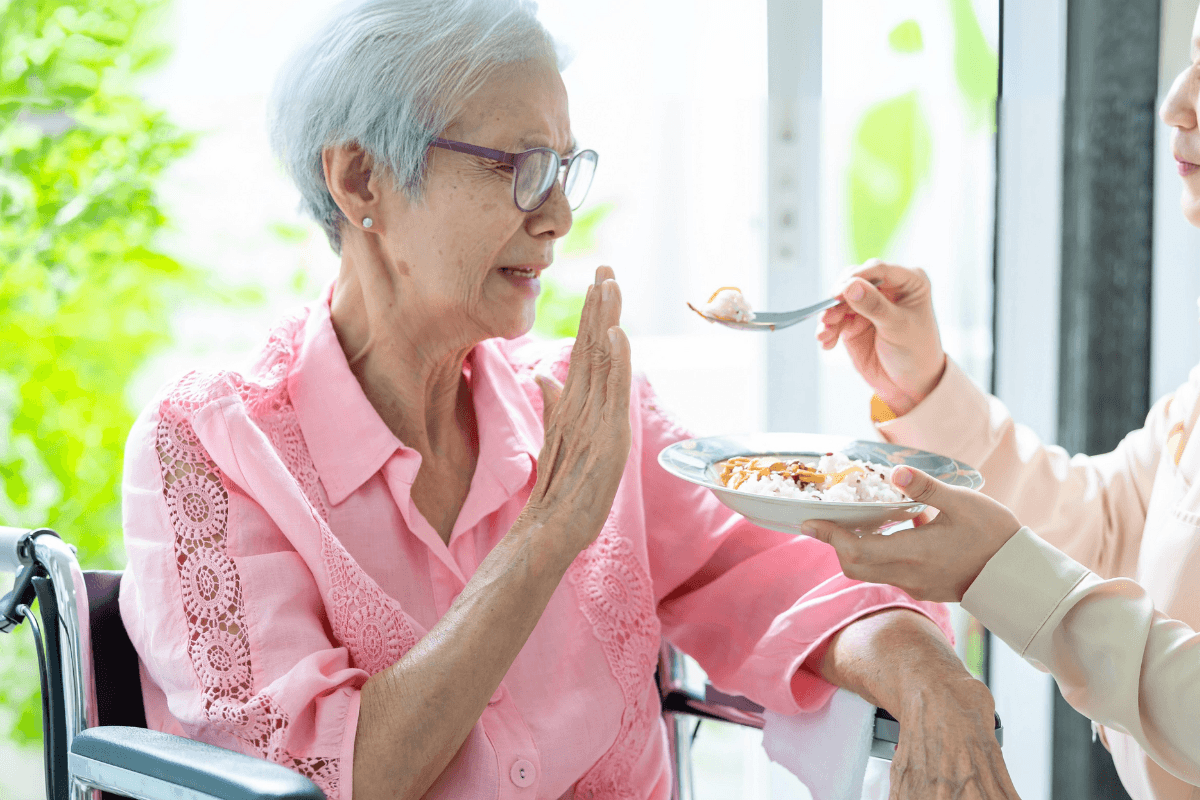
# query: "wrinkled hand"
889,332
948,746
937,561
587,422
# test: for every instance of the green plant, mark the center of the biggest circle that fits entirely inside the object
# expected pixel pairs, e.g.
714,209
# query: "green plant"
85,295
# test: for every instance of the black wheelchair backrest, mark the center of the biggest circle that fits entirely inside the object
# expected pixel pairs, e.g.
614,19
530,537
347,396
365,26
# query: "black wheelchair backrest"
115,662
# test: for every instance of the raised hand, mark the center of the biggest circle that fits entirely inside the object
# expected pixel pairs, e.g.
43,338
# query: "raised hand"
587,422
890,333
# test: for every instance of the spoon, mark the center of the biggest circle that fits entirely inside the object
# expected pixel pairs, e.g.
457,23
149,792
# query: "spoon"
773,321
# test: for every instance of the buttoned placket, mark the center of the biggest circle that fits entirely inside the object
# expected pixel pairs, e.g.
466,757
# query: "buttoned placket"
517,757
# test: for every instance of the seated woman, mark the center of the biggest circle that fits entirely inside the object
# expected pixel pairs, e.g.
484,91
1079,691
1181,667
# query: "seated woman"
412,553
1126,654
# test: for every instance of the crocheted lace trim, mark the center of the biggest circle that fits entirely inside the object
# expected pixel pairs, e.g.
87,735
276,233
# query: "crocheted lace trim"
365,620
616,596
198,506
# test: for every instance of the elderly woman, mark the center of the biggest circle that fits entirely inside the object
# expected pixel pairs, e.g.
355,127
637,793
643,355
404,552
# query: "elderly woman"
1126,654
411,553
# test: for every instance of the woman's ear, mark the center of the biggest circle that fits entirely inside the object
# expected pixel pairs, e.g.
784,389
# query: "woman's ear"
353,184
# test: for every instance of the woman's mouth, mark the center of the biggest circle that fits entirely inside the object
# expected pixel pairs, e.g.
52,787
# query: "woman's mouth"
1185,167
519,272
523,279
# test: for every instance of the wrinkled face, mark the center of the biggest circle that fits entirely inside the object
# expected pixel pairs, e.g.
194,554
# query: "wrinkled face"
473,257
1180,110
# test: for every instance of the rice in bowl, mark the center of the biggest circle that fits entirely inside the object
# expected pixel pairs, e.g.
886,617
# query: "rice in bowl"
834,478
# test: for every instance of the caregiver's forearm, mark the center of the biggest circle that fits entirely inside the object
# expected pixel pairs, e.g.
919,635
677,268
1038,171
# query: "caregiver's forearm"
415,715
900,661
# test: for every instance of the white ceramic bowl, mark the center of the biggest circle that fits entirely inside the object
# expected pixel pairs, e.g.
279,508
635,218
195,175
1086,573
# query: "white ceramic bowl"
694,459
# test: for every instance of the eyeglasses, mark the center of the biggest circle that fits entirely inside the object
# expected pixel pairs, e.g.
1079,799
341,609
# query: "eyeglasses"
535,171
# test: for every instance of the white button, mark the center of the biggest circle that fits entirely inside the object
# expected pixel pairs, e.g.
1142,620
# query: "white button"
497,695
522,773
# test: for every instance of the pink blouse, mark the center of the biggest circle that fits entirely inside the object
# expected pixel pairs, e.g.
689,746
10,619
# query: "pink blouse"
277,561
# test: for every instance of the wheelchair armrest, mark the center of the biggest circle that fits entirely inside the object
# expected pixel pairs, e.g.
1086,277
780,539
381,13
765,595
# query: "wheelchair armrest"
149,765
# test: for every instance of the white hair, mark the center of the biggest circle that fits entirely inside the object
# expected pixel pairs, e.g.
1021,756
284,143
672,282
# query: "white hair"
389,76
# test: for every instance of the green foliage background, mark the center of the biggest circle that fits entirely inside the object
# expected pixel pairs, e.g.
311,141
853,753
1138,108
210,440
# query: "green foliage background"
85,295
892,151
558,309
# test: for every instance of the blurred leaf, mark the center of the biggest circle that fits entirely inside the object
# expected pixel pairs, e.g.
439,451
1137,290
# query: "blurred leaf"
557,312
906,37
293,234
976,65
889,157
582,238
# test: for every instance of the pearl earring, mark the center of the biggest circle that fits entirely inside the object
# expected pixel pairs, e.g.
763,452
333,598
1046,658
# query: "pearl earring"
368,222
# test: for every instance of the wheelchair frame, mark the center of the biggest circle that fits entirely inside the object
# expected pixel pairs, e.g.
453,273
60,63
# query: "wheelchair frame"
83,759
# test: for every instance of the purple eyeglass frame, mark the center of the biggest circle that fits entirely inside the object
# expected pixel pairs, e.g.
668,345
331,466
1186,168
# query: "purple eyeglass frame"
515,160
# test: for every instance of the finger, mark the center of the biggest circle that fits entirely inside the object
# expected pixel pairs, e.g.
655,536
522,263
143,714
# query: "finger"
894,559
832,317
551,394
579,371
924,518
891,276
855,326
852,551
620,376
608,317
925,488
827,337
604,273
867,301
610,306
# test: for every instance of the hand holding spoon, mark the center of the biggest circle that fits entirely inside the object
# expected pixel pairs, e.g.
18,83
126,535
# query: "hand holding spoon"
773,321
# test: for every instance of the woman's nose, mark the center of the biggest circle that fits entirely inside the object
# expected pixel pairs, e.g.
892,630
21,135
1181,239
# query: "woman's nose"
1179,106
553,219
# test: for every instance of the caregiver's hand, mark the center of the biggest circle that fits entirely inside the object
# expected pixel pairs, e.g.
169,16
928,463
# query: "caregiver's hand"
587,423
889,332
938,560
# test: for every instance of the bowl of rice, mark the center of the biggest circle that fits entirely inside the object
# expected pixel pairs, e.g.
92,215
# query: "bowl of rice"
781,480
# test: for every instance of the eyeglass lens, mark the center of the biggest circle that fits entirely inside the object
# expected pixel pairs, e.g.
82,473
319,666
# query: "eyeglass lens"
538,170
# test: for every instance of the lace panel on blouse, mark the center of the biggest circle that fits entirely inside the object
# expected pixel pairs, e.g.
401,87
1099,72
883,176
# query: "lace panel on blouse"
369,623
198,506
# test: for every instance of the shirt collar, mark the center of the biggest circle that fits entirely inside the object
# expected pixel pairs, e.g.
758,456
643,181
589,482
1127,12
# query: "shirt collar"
348,440
346,437
509,427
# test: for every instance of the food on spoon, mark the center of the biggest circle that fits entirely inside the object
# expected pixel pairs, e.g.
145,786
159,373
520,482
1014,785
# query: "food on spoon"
727,303
834,478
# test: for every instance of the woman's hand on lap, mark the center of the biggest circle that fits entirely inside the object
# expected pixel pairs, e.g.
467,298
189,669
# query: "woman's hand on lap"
890,333
587,421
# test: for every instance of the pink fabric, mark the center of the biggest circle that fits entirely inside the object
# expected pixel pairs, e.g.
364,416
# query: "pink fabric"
277,561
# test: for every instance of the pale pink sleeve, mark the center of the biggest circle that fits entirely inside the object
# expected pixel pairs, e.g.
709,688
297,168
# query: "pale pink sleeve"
226,616
749,604
1091,507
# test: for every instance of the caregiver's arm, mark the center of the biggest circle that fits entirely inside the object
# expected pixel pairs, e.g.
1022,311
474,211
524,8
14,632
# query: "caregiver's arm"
1117,659
1093,508
899,660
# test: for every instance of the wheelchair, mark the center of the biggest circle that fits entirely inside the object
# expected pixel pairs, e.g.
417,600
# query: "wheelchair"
94,726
